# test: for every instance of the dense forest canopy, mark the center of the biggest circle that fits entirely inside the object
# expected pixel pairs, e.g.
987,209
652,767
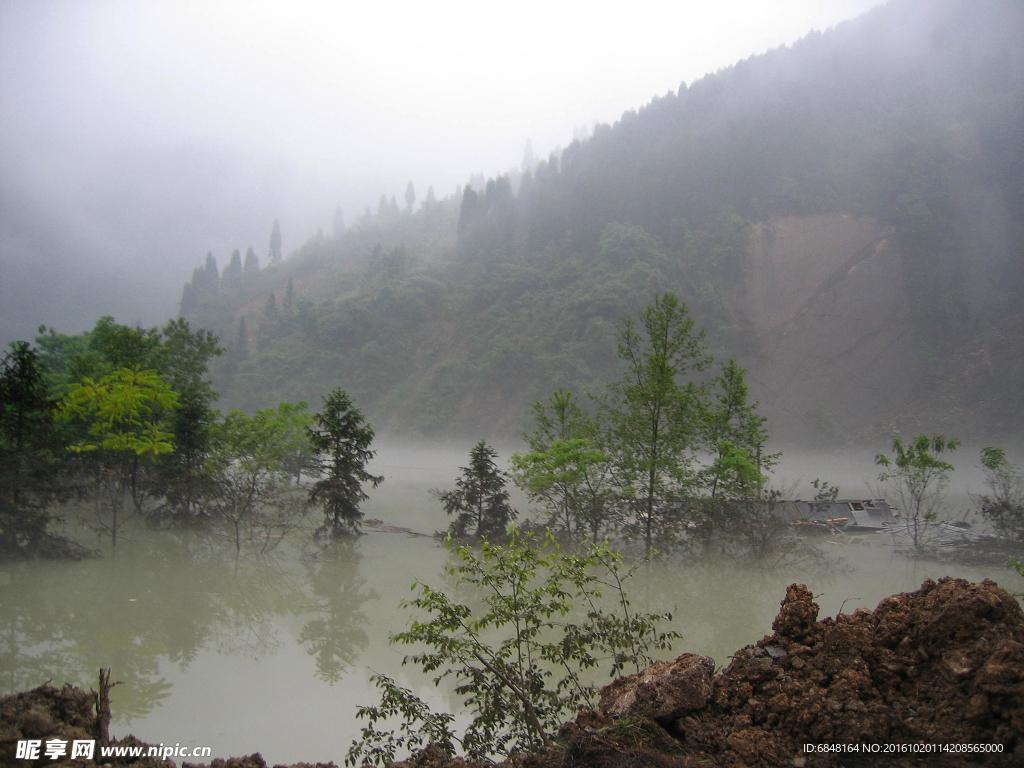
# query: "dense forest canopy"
906,124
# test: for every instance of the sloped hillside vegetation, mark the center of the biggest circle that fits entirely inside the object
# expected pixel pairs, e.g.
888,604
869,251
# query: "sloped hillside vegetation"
844,214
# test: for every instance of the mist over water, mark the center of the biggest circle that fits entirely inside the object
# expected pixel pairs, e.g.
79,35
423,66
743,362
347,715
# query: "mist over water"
275,653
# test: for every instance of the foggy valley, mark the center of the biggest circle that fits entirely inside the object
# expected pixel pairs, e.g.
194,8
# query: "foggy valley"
360,362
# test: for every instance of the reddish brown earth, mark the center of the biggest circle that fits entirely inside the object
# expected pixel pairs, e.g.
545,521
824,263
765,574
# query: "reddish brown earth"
943,665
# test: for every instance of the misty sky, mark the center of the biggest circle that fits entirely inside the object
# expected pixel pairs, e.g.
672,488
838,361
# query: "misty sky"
156,131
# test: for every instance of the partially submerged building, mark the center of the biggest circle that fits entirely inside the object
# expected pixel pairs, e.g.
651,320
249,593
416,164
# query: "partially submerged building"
864,514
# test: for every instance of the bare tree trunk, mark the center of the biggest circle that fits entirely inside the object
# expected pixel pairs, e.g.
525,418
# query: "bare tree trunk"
102,702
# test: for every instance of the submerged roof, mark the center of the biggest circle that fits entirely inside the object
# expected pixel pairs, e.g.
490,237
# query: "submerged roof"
862,513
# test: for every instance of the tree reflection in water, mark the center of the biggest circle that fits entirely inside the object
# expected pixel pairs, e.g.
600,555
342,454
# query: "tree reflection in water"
336,635
167,599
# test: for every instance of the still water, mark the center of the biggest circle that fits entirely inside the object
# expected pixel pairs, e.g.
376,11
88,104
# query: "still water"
273,654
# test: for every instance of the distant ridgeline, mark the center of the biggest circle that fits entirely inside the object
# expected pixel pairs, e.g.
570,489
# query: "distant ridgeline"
845,216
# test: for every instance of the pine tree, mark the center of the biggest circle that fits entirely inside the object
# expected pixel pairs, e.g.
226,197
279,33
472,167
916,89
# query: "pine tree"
210,277
275,242
233,271
431,198
410,195
289,296
480,499
188,300
342,443
271,309
252,262
29,449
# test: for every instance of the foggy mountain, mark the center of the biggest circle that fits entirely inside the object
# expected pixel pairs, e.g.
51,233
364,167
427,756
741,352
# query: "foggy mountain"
843,216
135,137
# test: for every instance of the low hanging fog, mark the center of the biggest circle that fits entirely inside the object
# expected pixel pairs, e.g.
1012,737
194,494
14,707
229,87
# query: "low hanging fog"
135,137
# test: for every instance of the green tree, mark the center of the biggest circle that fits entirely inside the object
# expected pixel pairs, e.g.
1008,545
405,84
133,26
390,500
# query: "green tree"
564,468
341,441
735,430
1003,507
252,262
233,271
480,500
125,416
275,242
917,478
654,420
30,452
519,661
250,472
410,195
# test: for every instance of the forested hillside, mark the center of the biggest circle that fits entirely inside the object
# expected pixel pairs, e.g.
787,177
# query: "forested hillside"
844,216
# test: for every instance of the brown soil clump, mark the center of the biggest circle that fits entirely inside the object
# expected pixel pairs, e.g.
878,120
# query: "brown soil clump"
940,666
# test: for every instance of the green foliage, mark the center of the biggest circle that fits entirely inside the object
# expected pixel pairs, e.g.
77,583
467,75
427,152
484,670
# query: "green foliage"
737,436
124,415
249,472
917,477
564,469
520,662
418,726
654,420
1003,507
30,452
341,441
125,412
480,501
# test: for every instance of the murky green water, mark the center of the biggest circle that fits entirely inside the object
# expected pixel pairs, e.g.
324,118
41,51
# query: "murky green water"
273,654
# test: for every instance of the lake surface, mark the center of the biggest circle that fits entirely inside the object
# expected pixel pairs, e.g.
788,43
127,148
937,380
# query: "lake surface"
274,654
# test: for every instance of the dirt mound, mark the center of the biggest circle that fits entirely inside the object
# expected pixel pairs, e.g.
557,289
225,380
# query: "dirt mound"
940,666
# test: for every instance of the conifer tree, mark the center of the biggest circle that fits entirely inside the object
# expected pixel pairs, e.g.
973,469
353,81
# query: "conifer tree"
252,262
233,271
289,296
480,500
210,277
271,309
341,440
275,242
410,195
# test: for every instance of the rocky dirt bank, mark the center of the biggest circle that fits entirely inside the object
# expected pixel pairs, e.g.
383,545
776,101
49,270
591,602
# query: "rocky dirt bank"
938,669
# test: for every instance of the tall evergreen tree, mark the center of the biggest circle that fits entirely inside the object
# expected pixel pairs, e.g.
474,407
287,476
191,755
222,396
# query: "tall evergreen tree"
252,262
410,196
233,271
342,441
30,451
210,277
480,500
275,242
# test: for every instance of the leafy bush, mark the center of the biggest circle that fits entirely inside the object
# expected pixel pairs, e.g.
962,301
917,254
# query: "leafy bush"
520,661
